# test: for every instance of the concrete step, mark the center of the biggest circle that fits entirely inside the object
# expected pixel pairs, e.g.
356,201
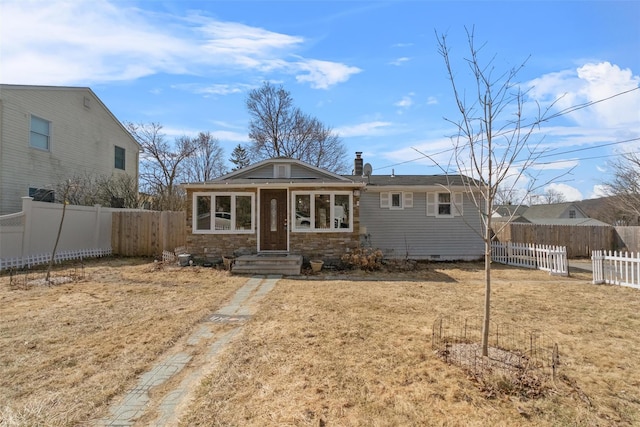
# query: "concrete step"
286,264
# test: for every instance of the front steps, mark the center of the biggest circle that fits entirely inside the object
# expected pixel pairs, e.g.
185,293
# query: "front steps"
268,263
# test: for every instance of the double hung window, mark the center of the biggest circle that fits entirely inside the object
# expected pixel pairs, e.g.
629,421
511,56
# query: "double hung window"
40,133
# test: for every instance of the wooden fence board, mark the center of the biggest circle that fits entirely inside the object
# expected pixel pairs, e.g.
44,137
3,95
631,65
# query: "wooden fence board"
147,233
580,240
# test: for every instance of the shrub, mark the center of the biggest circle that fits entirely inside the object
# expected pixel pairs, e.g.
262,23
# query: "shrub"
363,258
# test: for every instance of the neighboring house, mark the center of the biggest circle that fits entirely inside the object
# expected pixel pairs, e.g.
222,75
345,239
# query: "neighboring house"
288,206
566,213
51,134
611,210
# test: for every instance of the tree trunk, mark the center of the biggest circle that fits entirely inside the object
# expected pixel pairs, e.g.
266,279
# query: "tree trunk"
487,278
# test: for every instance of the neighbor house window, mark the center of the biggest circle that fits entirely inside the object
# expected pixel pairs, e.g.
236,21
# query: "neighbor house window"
119,158
40,135
322,211
223,212
396,200
572,213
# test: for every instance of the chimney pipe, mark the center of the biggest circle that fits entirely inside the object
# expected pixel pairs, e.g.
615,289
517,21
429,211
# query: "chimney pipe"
358,170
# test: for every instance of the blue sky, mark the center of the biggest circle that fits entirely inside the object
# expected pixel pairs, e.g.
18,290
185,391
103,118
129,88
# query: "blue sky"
370,70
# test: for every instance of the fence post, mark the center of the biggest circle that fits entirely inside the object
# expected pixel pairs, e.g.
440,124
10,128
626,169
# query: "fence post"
597,265
96,230
27,209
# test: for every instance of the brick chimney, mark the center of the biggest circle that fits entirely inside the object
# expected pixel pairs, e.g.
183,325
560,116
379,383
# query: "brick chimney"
357,171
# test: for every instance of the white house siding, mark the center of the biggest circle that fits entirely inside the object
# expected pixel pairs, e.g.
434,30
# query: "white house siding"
410,233
82,140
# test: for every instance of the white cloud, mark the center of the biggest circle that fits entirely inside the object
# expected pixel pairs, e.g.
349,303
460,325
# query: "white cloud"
363,129
214,89
571,194
322,74
599,190
406,101
81,42
589,83
432,100
400,61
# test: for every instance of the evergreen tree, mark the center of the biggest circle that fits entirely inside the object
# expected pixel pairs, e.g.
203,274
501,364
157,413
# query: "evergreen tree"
240,158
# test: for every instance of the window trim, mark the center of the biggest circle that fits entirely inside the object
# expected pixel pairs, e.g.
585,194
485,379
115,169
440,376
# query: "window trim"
386,200
31,132
456,201
213,195
332,201
124,158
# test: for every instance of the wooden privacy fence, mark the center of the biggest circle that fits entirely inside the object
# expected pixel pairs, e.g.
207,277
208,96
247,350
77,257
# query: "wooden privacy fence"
542,257
580,240
147,233
616,268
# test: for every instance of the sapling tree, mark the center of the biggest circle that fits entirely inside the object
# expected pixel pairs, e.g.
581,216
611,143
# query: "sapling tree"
493,146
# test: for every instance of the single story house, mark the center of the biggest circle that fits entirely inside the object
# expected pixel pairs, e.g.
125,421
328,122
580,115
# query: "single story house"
284,206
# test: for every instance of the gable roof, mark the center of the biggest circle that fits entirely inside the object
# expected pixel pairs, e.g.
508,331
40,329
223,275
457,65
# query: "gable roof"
413,180
265,173
567,221
510,210
554,210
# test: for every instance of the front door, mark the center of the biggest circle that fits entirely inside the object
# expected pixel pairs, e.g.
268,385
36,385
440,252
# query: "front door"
273,220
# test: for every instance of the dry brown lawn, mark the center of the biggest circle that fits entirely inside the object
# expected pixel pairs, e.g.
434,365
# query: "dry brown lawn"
67,350
349,349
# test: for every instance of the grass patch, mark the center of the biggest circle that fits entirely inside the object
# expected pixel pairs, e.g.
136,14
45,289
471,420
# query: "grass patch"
339,348
67,350
357,352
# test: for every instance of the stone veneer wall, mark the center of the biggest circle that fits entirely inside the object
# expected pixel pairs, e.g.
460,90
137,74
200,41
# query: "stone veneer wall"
326,246
214,246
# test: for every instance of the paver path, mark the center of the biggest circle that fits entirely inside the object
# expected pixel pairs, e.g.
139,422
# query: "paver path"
165,391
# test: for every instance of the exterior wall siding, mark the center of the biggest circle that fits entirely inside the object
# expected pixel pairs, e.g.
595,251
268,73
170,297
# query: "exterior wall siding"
410,233
82,141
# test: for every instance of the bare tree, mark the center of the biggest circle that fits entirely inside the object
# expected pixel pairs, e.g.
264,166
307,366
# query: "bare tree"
491,146
279,129
162,164
551,196
118,190
625,187
207,161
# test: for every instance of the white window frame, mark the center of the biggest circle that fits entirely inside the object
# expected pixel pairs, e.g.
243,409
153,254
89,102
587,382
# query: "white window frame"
213,195
456,201
32,132
405,197
281,170
312,219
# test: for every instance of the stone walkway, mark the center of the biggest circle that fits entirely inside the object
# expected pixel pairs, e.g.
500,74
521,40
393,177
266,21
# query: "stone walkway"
165,391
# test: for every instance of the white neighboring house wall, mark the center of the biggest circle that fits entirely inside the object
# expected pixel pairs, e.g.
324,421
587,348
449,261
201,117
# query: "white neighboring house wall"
82,140
28,237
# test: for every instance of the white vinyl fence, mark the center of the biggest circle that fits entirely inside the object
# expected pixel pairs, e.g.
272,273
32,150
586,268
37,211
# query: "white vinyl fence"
542,257
27,238
616,268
